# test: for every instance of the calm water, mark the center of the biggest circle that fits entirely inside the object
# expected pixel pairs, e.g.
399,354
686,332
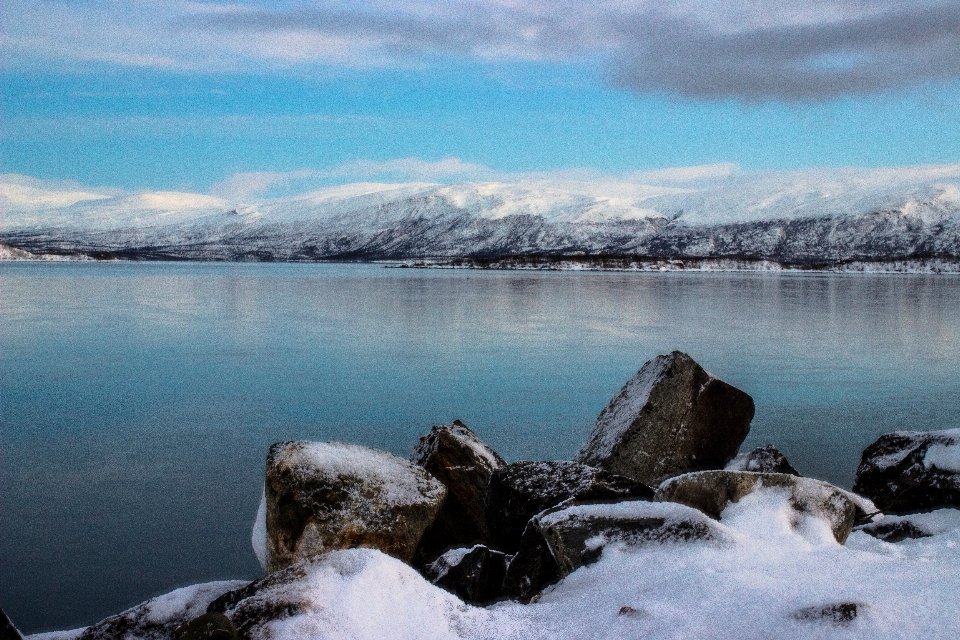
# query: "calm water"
137,400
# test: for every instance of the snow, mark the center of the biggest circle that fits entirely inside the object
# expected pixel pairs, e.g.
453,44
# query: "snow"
944,456
398,481
70,634
259,536
186,603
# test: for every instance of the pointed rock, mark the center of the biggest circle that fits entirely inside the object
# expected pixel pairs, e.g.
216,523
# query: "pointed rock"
520,490
7,630
671,418
454,455
322,496
766,459
475,575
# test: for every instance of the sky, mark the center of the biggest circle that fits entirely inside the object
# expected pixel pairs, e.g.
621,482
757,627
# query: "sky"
211,97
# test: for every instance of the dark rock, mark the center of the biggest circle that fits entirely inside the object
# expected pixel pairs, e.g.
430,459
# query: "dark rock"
326,496
531,569
160,617
263,601
911,471
520,490
762,460
454,455
840,614
712,491
671,418
209,626
7,630
475,575
894,531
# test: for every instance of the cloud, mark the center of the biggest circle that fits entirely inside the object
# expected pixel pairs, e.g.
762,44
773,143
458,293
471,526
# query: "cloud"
790,50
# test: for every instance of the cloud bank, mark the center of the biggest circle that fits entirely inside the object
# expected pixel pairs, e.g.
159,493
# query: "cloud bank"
791,50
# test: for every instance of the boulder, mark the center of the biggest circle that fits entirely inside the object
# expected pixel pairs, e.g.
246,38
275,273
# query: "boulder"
911,471
7,630
520,490
474,574
894,531
326,496
160,617
671,418
712,491
560,540
454,455
209,626
766,459
893,528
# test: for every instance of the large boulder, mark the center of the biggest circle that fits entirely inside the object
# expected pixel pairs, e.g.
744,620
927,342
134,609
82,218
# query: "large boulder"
671,418
326,496
911,471
712,491
560,540
454,455
520,490
160,617
473,574
766,459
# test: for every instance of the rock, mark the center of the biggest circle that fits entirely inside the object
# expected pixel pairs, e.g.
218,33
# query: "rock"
911,471
762,460
558,541
7,630
454,455
893,528
520,490
671,418
840,614
158,618
473,574
894,531
326,496
712,491
209,626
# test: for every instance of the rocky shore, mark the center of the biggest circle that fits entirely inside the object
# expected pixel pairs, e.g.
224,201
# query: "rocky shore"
660,527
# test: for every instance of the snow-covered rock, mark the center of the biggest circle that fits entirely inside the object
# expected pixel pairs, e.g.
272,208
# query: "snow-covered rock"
672,417
893,528
158,618
209,626
322,496
807,499
766,459
909,471
520,490
474,574
454,455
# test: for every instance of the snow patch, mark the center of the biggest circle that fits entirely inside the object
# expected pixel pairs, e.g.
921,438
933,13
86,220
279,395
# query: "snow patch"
945,457
259,536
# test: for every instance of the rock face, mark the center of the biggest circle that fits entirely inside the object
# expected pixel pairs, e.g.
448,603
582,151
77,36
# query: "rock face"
712,491
475,575
911,471
454,455
7,630
558,541
671,418
766,459
326,496
519,491
158,619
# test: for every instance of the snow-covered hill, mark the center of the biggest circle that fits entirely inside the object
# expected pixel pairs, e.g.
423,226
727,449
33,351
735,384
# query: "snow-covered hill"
800,217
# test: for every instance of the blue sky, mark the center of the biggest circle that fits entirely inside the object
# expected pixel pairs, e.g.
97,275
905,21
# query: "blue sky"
183,95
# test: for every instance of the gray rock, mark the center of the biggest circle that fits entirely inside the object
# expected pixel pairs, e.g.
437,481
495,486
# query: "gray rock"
766,459
671,418
7,630
911,471
454,455
841,614
209,626
520,490
475,575
326,496
712,491
159,618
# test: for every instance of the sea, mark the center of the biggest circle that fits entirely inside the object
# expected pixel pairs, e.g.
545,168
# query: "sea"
138,400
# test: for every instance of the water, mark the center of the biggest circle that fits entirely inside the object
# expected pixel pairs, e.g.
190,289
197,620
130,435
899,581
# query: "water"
137,401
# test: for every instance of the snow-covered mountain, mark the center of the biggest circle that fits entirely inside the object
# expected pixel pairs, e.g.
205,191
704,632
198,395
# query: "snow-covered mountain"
799,217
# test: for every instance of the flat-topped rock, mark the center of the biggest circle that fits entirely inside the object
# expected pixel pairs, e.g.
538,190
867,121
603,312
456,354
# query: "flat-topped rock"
322,496
712,491
911,471
454,455
671,418
766,459
520,490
